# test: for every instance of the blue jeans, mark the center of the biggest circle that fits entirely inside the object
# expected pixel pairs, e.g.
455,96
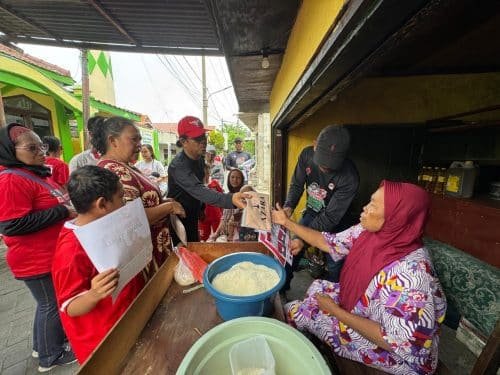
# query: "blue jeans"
333,268
48,334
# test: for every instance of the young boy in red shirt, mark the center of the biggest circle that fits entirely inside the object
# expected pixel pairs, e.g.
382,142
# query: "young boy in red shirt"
84,295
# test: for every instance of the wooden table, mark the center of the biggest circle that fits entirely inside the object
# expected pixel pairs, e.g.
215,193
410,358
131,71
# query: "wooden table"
177,323
162,324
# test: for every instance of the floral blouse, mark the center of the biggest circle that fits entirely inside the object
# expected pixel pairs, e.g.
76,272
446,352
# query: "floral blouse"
136,185
405,298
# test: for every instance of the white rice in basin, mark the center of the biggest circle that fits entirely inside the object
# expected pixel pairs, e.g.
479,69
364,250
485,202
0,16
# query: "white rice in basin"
246,279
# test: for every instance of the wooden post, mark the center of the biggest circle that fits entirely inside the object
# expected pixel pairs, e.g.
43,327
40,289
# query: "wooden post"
278,160
489,359
85,96
3,122
204,91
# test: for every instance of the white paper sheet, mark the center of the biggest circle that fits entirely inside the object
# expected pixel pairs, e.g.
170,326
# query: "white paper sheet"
121,239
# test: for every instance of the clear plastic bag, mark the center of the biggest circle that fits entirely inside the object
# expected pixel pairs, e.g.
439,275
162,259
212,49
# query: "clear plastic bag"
193,262
183,275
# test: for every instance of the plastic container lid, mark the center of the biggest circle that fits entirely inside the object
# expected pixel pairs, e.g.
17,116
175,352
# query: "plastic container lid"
252,356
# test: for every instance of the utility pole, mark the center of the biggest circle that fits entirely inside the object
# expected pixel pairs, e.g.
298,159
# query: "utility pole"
85,96
204,90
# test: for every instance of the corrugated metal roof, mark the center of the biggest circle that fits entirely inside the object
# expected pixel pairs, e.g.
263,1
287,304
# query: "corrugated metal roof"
155,25
241,30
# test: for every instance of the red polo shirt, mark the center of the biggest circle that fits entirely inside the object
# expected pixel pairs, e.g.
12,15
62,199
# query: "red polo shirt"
60,170
28,254
72,273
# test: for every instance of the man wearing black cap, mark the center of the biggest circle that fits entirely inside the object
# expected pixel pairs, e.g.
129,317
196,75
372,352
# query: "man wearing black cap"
331,182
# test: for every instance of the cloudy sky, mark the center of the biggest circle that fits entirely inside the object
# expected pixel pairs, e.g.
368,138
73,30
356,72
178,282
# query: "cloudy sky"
166,88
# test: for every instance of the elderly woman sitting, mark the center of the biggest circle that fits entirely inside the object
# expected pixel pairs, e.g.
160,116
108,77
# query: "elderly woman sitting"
388,306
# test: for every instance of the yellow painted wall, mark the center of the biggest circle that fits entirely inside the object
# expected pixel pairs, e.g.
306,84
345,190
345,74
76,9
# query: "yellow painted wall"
297,140
44,100
399,100
414,99
314,20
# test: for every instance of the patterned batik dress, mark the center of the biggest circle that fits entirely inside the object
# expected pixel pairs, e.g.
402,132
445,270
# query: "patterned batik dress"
405,298
136,185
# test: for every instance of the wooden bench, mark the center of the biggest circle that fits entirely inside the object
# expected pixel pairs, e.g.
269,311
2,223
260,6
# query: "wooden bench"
461,276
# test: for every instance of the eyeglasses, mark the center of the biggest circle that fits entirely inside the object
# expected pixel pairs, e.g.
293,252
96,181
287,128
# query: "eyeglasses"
200,139
34,148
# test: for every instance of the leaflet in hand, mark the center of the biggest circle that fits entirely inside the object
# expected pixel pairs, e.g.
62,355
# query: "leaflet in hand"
278,241
121,239
257,213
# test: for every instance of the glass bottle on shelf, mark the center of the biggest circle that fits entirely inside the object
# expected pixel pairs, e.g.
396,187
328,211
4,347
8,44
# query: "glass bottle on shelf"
426,177
440,185
420,176
434,178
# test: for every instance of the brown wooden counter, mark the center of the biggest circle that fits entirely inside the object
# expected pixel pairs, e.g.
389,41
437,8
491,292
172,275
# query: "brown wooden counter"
176,324
472,225
162,324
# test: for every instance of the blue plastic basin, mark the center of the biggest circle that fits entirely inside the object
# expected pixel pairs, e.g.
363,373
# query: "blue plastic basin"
231,307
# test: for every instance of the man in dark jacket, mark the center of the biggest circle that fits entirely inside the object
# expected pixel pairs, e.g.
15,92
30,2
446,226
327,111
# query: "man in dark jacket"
331,182
186,174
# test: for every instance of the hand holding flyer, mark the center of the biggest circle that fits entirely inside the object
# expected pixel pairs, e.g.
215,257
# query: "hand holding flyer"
121,240
257,213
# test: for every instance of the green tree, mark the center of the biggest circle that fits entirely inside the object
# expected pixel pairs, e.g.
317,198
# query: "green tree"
216,139
234,131
249,146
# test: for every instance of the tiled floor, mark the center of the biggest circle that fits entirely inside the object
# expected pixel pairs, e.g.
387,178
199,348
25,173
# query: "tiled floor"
17,308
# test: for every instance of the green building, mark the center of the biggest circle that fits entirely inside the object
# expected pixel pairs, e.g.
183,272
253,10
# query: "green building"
43,97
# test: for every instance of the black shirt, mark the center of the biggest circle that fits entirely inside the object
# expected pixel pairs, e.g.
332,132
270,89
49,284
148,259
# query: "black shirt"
185,185
328,195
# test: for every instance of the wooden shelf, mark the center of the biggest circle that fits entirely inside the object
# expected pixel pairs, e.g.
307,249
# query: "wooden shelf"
471,225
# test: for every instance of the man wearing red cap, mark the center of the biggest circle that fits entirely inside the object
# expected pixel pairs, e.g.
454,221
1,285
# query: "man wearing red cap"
185,177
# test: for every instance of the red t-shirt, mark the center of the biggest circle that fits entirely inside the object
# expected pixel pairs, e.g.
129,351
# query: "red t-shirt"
60,170
72,273
28,254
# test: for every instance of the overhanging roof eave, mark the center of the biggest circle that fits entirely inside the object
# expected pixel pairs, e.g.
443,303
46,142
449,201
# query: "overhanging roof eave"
336,65
120,47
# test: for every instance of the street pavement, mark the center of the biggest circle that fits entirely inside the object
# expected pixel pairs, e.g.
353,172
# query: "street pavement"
17,309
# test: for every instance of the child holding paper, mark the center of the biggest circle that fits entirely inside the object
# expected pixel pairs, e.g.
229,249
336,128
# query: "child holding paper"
84,295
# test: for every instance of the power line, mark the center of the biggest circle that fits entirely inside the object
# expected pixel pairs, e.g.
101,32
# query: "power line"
186,75
215,73
157,96
227,78
194,72
166,63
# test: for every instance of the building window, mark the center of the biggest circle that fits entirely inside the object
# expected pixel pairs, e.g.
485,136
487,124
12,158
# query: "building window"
25,111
